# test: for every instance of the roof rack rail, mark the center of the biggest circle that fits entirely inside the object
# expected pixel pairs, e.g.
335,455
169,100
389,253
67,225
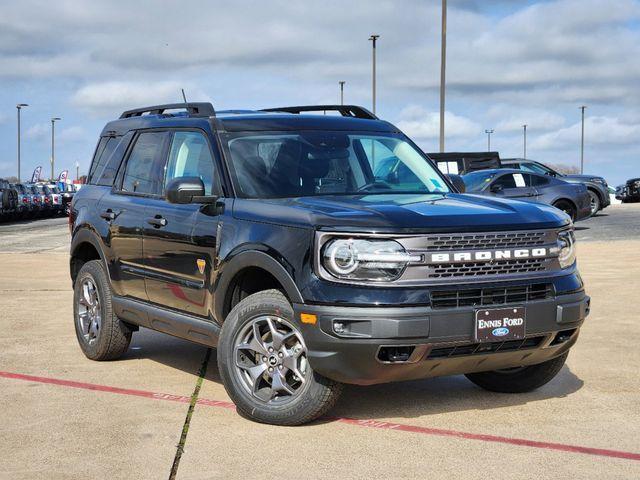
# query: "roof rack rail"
199,109
345,110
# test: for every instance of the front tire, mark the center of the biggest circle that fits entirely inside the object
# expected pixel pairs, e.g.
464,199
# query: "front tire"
263,364
519,380
594,202
101,335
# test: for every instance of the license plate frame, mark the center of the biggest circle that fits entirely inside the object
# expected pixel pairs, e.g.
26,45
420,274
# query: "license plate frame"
500,324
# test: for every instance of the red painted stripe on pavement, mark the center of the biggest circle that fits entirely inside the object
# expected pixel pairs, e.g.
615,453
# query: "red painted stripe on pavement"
350,421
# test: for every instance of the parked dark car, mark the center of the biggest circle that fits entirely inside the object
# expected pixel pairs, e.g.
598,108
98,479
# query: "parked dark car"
67,196
596,186
269,236
8,201
631,191
573,199
27,206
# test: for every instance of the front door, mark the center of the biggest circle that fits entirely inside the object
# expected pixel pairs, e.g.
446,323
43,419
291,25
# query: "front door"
179,241
514,185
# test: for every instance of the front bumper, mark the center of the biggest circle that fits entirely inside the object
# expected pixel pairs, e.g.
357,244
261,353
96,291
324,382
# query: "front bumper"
439,341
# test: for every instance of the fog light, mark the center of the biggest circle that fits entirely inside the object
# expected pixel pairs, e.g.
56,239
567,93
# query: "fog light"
338,327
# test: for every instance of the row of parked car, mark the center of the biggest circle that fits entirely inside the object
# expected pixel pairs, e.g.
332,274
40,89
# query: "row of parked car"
34,200
579,196
629,192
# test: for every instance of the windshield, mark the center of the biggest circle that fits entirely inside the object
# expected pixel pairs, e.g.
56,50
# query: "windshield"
476,181
296,164
537,168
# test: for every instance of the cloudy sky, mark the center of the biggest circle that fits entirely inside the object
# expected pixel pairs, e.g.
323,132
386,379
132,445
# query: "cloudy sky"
508,63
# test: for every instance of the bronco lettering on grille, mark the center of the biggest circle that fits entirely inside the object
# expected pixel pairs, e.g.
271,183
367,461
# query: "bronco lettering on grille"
487,255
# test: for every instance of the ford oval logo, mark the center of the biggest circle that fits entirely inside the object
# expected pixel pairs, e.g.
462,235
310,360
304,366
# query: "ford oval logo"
500,332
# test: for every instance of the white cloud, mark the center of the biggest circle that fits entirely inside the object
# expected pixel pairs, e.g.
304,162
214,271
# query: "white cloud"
421,124
599,131
41,132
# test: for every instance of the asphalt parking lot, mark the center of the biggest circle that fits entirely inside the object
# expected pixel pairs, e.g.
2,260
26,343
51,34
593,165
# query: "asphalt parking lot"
64,416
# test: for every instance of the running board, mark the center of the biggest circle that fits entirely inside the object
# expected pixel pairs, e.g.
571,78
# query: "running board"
180,325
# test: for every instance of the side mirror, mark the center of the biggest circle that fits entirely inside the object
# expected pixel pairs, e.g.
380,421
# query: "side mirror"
496,188
458,182
184,190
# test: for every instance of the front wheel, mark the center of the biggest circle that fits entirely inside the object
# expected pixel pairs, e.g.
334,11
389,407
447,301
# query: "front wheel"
263,363
519,379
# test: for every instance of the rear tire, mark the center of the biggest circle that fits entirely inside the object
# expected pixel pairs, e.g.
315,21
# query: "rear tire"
267,377
519,380
567,208
101,335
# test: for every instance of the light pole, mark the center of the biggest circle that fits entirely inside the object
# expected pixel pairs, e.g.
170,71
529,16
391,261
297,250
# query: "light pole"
374,39
488,132
53,154
341,82
77,170
524,153
582,142
443,64
19,107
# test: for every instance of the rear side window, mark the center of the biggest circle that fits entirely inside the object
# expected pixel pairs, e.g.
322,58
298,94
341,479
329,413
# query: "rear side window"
144,173
105,148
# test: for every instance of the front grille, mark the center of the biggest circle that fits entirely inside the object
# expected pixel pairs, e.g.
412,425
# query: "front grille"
482,348
484,240
491,296
501,267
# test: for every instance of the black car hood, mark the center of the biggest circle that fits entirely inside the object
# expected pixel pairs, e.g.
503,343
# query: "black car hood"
451,212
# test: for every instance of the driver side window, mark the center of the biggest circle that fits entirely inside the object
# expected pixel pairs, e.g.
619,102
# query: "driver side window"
190,156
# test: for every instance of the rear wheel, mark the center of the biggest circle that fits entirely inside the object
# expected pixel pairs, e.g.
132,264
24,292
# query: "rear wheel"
567,207
264,366
594,202
519,379
101,335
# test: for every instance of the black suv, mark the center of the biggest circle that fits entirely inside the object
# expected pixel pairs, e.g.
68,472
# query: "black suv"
269,235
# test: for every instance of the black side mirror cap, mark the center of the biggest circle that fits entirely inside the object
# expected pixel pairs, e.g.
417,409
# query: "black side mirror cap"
457,182
183,190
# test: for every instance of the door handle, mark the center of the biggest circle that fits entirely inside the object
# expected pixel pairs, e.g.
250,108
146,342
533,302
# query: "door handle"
108,215
157,221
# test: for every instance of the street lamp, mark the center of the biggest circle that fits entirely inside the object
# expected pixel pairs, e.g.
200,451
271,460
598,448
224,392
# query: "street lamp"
443,64
341,82
582,142
77,170
19,107
374,39
53,154
488,132
524,153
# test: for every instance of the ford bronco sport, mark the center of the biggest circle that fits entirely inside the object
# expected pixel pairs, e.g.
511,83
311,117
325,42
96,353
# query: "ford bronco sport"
267,235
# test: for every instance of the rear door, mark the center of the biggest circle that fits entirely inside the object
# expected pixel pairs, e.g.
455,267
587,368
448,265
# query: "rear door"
513,185
543,186
179,241
140,181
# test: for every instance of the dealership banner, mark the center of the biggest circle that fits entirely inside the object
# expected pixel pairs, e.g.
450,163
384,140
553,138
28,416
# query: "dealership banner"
36,175
63,176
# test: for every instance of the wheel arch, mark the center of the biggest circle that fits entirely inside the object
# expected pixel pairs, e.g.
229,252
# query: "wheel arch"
85,246
246,263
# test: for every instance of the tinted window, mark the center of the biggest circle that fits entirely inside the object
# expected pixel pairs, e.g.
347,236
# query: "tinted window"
103,153
476,181
539,180
145,167
190,157
112,159
505,181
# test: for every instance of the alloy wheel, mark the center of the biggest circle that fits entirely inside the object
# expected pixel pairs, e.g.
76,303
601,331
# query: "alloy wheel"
270,359
89,314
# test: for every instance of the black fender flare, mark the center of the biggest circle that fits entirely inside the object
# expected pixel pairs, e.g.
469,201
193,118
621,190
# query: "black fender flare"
86,235
252,258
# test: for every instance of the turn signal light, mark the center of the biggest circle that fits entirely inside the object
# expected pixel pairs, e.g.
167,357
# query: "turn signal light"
308,318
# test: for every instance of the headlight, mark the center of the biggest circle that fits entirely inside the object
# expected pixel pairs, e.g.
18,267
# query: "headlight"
373,260
566,248
598,180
